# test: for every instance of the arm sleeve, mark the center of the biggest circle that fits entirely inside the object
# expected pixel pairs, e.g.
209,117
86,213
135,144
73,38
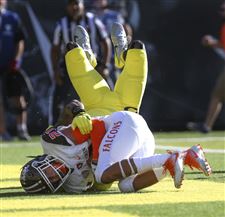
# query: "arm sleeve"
20,33
222,36
96,136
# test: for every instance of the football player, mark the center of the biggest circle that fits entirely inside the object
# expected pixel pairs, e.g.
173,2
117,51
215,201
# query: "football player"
94,92
122,149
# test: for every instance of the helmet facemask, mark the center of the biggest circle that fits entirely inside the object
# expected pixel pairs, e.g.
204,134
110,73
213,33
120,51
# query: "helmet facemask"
52,173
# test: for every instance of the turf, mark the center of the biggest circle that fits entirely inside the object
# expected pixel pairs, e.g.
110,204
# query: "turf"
199,196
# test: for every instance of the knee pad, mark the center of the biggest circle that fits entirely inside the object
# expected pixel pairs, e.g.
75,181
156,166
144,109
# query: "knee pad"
137,44
126,185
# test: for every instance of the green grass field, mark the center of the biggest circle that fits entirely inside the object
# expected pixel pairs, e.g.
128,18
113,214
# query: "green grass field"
199,196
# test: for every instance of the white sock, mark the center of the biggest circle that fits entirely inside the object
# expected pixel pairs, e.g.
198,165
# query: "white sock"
148,163
159,173
22,127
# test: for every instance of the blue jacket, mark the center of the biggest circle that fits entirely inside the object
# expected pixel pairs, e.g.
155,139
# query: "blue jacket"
11,33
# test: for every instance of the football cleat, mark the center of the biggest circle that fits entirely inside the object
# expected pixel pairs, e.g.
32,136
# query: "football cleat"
119,39
175,166
195,157
23,135
81,37
200,127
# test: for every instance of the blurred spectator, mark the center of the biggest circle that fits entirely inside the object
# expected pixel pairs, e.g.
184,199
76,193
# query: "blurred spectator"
11,79
130,11
108,17
218,93
63,33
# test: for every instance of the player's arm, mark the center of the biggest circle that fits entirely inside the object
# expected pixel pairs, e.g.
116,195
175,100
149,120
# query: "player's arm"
74,112
20,46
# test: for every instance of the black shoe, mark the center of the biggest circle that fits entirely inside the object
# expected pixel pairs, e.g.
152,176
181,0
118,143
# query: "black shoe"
6,137
23,135
200,127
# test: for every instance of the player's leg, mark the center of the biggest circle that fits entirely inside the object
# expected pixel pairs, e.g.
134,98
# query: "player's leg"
18,104
116,151
131,83
90,86
140,181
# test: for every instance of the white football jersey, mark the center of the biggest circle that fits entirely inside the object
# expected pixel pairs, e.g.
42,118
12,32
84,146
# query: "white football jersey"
54,142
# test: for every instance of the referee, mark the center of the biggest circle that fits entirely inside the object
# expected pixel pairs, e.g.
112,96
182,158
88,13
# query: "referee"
64,32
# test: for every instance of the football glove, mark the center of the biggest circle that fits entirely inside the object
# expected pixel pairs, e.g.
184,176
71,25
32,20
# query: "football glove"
83,122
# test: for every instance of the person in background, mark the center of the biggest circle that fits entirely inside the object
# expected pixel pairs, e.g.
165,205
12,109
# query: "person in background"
64,32
12,39
218,94
108,17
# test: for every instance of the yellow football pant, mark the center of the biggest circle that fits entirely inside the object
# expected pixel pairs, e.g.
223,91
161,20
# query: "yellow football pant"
95,93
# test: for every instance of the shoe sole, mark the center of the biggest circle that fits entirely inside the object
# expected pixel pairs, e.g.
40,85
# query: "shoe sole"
201,160
179,172
203,166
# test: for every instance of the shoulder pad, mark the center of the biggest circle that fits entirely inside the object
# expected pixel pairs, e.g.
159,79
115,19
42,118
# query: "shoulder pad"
51,135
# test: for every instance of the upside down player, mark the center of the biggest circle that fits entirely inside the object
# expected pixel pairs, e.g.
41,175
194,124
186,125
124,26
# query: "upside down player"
94,92
122,146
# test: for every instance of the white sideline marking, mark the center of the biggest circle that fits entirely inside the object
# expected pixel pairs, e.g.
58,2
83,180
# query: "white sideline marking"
193,139
215,151
25,144
160,147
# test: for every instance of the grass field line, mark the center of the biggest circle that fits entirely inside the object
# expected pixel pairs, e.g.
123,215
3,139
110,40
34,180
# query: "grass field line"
160,147
214,151
193,139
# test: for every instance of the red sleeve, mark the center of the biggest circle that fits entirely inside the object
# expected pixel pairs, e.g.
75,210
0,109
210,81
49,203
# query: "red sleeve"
96,135
222,36
79,137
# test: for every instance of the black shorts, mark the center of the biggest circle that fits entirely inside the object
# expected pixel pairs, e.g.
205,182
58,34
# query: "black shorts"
12,84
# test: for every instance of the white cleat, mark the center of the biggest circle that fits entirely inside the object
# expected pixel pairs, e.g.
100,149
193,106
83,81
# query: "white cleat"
195,157
175,166
119,39
81,37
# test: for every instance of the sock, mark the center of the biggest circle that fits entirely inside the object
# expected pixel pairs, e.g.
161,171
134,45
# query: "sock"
159,173
148,163
22,127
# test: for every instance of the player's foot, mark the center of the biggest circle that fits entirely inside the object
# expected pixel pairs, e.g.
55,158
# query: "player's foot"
23,135
175,166
200,127
81,37
6,137
119,40
195,157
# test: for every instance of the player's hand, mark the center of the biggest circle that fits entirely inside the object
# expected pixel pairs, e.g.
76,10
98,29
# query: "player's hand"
83,122
15,65
209,41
